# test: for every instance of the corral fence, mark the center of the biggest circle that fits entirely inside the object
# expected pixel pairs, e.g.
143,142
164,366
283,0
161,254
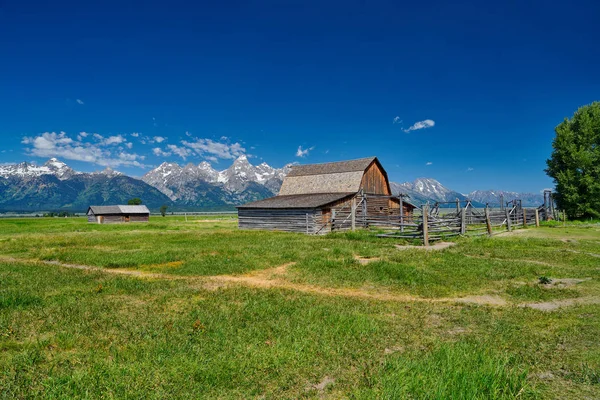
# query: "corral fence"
440,220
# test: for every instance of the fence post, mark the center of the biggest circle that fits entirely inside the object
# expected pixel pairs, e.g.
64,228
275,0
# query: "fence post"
425,225
537,218
332,219
524,218
508,223
401,213
353,213
488,223
463,221
364,211
307,223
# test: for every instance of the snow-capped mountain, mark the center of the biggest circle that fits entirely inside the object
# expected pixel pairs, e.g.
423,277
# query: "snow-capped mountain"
181,183
26,170
108,172
494,197
427,188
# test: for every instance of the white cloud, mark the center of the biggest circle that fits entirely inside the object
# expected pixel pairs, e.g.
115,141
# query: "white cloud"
159,139
180,151
428,163
79,101
118,139
135,134
83,134
220,150
129,145
470,169
428,123
397,120
52,144
160,153
97,136
303,152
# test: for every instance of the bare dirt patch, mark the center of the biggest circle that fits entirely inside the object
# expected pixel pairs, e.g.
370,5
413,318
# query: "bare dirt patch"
556,304
567,240
489,300
564,282
326,381
437,246
393,349
366,260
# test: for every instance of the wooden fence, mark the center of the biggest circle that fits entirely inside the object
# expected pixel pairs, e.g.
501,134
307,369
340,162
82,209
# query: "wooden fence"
432,223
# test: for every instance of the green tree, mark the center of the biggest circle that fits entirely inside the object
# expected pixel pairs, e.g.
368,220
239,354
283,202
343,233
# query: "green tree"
136,201
575,163
163,210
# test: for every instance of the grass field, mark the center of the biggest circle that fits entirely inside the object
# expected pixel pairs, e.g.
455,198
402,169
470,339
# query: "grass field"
198,309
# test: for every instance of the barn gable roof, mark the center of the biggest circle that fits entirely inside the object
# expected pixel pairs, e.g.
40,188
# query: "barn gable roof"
334,177
360,164
100,210
299,200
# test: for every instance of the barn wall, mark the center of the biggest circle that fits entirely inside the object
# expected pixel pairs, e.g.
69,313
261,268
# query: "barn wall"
374,180
91,217
288,220
112,219
139,218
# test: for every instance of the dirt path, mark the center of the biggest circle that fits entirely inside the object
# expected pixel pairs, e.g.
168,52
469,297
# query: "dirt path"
274,278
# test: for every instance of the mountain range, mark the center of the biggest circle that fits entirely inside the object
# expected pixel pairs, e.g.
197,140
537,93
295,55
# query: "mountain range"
56,186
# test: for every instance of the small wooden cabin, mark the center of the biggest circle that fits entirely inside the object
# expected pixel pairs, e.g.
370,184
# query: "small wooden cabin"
317,198
118,214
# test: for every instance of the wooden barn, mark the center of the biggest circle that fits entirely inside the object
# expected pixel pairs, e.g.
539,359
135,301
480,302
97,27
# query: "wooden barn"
319,198
117,214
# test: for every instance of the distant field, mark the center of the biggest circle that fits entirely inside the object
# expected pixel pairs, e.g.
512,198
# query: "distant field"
198,309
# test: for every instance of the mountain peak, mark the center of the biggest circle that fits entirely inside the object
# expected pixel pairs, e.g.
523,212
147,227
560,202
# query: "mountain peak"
243,160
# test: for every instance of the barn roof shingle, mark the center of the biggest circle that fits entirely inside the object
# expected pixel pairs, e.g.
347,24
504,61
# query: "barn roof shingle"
313,200
360,164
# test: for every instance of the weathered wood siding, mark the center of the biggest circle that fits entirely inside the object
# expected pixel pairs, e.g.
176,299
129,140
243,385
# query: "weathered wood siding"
139,218
374,180
288,220
117,218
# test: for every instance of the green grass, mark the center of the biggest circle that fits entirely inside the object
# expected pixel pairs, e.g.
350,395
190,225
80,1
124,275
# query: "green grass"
67,333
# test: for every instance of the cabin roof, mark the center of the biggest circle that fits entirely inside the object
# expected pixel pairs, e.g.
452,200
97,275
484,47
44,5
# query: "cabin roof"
313,200
357,165
118,209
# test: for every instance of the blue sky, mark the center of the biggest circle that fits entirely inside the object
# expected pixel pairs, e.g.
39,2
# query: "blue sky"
468,93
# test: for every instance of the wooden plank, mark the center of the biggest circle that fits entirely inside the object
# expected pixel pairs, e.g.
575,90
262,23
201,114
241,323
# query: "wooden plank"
488,223
353,214
425,226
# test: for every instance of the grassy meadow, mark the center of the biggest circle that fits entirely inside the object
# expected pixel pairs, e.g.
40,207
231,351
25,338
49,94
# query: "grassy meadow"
198,309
